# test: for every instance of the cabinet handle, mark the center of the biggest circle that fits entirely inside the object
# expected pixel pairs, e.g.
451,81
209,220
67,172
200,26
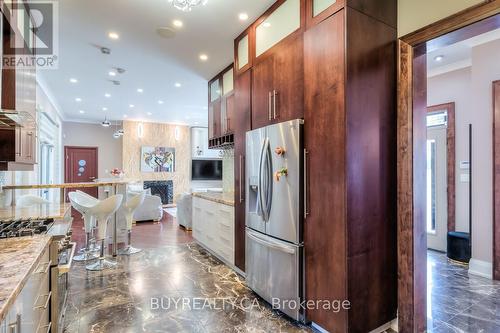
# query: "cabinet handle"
270,106
306,213
15,327
241,180
45,270
30,144
46,304
274,103
45,326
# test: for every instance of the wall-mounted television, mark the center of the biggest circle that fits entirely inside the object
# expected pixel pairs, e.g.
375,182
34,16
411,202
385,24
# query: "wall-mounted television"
206,170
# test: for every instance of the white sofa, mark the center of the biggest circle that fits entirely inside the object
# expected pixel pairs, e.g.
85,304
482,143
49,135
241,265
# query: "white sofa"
151,209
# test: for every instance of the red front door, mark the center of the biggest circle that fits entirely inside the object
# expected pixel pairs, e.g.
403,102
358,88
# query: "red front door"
81,167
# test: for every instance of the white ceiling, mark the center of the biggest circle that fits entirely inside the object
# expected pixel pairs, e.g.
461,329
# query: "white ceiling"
152,63
458,55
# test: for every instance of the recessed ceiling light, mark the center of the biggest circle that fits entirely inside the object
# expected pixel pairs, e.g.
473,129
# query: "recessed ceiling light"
243,16
82,112
140,90
177,23
73,80
107,95
439,58
160,102
78,99
131,105
178,85
266,24
149,113
196,122
125,116
203,57
104,109
112,73
113,35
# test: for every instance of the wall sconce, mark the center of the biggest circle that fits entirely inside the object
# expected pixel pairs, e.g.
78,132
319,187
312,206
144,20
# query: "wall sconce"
140,130
177,133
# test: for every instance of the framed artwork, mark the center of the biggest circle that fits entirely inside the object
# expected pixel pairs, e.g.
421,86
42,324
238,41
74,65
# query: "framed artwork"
157,159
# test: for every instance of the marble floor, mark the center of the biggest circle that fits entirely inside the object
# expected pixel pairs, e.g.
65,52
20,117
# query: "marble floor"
459,302
164,288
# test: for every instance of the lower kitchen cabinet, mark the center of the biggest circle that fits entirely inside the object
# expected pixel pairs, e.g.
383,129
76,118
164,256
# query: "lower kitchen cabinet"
30,312
213,228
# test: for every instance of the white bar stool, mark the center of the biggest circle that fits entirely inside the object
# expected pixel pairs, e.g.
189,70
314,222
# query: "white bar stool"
92,201
128,210
102,212
83,204
30,200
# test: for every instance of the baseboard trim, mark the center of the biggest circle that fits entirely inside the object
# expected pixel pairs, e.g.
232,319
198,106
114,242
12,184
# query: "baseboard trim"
481,268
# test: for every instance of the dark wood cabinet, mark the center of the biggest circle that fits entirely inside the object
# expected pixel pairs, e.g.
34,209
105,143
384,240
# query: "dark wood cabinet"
221,109
350,112
278,84
18,92
242,124
262,87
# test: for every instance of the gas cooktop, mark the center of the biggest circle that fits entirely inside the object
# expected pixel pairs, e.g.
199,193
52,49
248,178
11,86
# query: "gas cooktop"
24,227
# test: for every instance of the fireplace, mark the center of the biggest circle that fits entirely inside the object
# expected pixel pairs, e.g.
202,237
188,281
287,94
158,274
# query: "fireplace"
162,188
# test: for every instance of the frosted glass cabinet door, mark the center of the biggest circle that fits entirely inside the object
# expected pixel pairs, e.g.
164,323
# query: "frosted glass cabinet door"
243,52
227,82
320,5
214,90
281,23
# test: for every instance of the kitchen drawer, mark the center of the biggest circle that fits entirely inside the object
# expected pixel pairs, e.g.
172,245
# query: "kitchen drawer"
226,252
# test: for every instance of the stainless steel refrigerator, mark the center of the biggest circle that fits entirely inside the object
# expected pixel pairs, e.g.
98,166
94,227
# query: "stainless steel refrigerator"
274,215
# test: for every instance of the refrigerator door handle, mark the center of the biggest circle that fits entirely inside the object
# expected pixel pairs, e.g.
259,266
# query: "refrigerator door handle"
269,190
261,210
269,243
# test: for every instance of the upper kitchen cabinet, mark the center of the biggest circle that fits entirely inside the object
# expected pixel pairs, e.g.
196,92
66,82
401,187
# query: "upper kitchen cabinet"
221,109
280,21
277,85
318,10
214,107
243,51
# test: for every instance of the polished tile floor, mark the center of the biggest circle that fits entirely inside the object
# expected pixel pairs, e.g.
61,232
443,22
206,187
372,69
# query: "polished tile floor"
459,302
164,289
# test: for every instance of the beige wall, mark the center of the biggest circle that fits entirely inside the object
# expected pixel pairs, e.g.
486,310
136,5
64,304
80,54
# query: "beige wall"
158,135
471,89
416,14
94,135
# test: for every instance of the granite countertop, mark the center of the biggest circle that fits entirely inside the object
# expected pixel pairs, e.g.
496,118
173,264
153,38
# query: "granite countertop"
52,210
19,257
226,198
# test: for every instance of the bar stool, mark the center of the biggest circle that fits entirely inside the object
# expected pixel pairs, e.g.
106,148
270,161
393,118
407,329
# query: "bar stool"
128,210
82,204
30,200
102,212
91,202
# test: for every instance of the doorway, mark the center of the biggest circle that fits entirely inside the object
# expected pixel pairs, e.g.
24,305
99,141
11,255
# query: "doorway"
412,151
81,167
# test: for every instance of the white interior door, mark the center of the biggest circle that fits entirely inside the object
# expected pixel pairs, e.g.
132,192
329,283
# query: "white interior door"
437,215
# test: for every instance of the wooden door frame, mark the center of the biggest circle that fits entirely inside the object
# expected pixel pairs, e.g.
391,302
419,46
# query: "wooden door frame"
411,140
496,180
450,159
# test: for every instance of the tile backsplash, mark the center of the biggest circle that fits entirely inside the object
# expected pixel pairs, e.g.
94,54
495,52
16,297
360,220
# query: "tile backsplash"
228,170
